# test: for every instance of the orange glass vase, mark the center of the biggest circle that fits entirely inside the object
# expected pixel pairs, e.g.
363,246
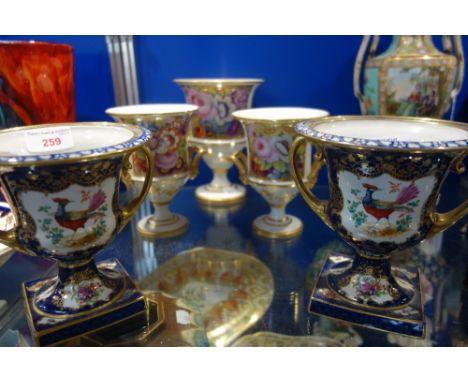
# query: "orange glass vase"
36,83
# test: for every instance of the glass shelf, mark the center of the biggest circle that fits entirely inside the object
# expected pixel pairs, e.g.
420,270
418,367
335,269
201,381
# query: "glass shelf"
257,292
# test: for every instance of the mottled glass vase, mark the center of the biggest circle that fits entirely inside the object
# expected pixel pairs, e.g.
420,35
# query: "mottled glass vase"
36,83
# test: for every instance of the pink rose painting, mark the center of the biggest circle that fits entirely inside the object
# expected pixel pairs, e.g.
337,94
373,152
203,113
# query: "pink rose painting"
166,152
167,145
167,161
206,103
266,150
269,154
216,102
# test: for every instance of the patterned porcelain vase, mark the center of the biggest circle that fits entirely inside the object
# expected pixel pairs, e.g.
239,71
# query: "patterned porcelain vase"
385,174
215,133
66,205
411,78
168,124
270,132
36,83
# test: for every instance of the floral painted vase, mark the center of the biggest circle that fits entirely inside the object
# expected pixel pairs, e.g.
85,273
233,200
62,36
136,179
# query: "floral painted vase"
385,174
268,151
270,132
36,83
411,78
168,142
215,133
169,124
216,101
66,207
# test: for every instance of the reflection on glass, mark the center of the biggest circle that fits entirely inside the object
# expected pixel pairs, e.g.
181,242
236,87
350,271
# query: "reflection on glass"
288,305
171,323
223,234
149,253
270,339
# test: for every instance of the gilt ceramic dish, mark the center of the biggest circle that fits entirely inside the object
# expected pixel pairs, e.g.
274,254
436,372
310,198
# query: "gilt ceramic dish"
230,289
385,175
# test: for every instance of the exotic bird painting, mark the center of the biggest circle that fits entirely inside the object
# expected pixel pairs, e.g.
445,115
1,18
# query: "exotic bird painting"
77,219
375,211
382,209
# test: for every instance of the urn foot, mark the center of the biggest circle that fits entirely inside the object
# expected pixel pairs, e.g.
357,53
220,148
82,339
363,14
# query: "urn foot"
117,299
173,225
228,194
370,294
288,227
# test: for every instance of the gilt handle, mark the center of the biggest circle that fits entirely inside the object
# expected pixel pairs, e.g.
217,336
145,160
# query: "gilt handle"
442,221
131,208
240,161
194,161
317,205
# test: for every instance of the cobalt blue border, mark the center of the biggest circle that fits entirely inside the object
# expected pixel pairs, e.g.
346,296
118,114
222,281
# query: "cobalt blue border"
306,128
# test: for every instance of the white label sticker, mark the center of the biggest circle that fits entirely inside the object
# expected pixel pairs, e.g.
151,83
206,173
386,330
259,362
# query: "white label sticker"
48,139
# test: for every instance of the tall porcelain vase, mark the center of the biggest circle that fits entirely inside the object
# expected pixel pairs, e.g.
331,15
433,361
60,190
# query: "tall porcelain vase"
411,78
215,133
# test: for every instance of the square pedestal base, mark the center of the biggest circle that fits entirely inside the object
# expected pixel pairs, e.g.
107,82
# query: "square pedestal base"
52,329
408,320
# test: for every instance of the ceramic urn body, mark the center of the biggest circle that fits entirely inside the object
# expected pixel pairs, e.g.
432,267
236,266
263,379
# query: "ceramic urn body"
68,212
381,201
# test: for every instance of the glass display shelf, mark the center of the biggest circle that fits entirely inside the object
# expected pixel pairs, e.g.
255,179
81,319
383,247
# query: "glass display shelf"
220,284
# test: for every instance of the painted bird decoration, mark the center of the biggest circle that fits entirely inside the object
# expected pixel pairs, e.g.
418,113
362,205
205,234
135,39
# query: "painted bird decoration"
382,209
77,219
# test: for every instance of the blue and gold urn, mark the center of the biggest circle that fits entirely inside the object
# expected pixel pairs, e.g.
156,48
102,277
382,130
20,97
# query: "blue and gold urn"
62,183
384,176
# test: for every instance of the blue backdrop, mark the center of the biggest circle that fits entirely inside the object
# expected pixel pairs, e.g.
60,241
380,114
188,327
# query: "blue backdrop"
314,71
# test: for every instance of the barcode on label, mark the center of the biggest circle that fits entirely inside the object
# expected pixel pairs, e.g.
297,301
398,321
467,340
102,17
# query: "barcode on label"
48,139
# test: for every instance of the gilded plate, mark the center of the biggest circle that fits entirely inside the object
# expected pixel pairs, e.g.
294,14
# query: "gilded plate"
230,289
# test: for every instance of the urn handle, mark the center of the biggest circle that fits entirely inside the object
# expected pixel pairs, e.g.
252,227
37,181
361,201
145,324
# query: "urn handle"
453,45
240,161
126,167
131,208
195,154
442,221
358,66
317,205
